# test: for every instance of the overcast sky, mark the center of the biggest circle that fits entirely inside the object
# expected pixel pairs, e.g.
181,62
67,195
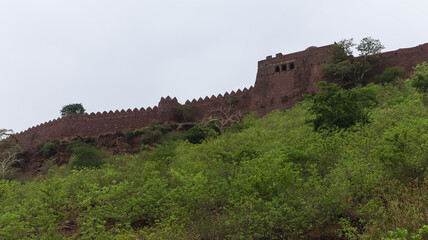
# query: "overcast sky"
120,54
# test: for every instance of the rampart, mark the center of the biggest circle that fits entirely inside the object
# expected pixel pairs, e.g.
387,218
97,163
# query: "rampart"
280,83
95,124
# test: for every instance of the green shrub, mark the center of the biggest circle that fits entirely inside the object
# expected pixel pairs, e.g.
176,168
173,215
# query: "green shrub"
420,77
153,133
130,135
172,136
272,178
87,157
390,75
214,125
195,135
233,101
335,108
247,122
48,149
74,144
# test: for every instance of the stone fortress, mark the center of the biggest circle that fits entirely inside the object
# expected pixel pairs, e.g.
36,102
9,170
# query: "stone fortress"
280,83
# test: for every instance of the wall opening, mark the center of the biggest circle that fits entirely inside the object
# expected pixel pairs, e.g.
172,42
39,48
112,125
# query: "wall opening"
291,66
283,67
277,69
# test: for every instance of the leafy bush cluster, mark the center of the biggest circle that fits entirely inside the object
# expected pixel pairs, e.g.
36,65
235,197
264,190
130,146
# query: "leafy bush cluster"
48,149
420,78
272,178
350,71
72,109
86,156
154,133
335,108
390,74
200,132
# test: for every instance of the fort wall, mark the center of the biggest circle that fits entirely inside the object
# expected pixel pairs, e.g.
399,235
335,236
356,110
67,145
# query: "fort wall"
406,58
96,124
280,83
281,80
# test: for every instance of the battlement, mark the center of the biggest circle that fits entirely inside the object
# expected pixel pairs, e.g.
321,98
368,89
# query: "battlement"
291,57
280,83
100,123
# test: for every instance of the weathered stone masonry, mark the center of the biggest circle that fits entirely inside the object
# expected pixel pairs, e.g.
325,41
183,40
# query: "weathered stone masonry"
280,83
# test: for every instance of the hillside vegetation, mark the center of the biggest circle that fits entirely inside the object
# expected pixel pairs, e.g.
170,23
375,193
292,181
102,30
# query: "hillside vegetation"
288,175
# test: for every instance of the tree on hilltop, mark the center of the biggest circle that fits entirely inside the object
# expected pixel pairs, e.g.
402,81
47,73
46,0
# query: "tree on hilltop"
342,66
71,109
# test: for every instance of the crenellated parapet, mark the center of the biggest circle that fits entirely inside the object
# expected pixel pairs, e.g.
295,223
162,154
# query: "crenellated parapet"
85,125
280,83
100,123
201,108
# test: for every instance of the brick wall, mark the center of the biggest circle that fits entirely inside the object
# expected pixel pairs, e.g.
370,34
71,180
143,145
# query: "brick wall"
280,83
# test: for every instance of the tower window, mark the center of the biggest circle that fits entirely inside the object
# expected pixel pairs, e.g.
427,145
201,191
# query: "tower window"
291,66
283,67
277,69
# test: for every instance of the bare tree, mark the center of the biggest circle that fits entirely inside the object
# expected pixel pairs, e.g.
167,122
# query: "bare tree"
5,133
8,154
7,160
224,115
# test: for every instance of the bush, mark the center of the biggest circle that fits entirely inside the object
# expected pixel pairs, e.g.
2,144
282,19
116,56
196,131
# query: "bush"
48,149
233,101
195,135
390,75
335,108
86,157
154,132
130,135
72,109
200,132
420,77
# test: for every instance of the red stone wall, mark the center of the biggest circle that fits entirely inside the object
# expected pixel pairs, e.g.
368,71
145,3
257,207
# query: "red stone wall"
280,83
279,88
405,57
95,124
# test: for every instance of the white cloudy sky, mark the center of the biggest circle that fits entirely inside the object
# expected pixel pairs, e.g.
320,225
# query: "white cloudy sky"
119,54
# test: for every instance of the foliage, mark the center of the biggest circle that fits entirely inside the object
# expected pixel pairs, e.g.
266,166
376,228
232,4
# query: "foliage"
402,234
86,157
369,46
154,132
335,108
390,75
345,68
271,178
224,115
195,135
71,109
9,154
420,77
48,149
233,101
7,160
202,131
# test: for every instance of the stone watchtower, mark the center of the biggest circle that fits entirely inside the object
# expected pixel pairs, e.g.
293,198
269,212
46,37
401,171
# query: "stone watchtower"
281,80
